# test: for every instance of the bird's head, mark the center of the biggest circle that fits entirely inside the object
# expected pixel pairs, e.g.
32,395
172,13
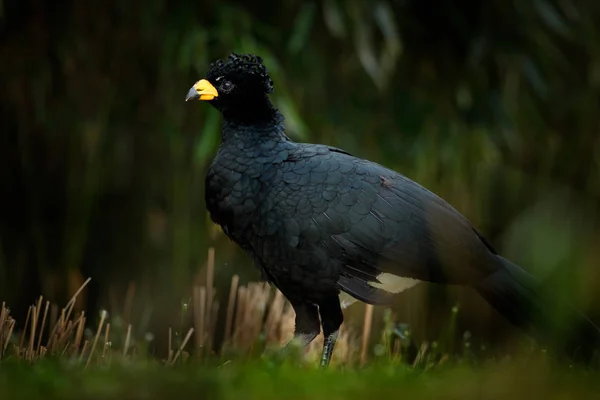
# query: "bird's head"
237,86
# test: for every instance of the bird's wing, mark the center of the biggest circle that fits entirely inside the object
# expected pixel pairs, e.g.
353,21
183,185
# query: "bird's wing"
371,220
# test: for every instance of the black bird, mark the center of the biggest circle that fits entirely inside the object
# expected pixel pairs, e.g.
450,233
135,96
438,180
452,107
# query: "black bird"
319,222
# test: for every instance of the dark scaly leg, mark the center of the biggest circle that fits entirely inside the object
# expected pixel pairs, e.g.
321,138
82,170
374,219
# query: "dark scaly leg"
307,324
331,320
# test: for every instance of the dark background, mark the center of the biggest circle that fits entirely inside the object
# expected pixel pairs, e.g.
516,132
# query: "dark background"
493,105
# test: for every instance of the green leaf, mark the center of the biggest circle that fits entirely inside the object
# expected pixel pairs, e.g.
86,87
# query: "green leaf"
302,27
552,18
334,19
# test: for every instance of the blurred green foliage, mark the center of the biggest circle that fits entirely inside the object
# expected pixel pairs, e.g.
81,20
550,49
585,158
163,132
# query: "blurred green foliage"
493,105
265,380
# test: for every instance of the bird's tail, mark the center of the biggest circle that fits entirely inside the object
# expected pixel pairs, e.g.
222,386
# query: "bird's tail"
518,296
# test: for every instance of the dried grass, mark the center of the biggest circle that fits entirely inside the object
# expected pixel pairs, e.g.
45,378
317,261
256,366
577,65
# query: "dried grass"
257,316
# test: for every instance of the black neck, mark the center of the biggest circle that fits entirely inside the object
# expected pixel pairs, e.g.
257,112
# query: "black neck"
253,121
236,129
249,110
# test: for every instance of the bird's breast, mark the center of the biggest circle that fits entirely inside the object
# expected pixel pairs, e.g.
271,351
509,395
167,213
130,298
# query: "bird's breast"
236,188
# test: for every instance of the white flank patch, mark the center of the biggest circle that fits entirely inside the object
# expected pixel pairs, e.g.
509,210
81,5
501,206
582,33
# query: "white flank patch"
390,283
346,300
394,284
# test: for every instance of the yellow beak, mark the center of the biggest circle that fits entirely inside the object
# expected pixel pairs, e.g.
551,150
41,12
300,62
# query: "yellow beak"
202,90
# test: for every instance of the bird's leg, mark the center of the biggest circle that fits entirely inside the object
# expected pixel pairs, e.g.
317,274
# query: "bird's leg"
331,320
306,330
307,324
328,346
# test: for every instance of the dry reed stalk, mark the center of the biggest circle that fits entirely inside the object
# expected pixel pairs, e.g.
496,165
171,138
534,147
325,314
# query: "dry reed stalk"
286,324
106,333
53,321
128,340
210,277
7,326
9,335
349,346
246,316
263,296
43,326
274,316
198,316
85,346
249,315
53,333
213,326
240,311
38,308
25,328
57,332
202,321
29,352
421,353
170,355
252,300
71,302
230,307
366,333
342,347
65,333
250,322
64,351
102,318
64,317
107,356
3,315
60,331
3,321
79,333
187,337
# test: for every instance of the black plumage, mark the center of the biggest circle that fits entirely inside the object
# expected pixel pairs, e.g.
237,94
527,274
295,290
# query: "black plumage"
317,220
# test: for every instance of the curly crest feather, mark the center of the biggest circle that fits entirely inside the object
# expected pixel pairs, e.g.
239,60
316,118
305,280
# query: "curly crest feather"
247,67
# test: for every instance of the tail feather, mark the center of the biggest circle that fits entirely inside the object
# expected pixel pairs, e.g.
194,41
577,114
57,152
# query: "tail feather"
518,296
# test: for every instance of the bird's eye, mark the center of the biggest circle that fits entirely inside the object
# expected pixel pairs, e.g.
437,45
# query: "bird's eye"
227,86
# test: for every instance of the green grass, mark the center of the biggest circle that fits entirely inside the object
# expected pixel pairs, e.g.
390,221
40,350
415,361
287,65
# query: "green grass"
263,379
71,355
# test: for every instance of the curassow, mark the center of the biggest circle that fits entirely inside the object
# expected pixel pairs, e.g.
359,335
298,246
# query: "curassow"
318,221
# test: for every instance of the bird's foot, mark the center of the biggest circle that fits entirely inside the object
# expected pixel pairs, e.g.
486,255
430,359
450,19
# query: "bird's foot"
291,351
